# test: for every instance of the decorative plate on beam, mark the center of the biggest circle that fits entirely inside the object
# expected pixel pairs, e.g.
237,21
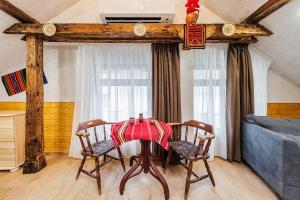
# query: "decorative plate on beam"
49,29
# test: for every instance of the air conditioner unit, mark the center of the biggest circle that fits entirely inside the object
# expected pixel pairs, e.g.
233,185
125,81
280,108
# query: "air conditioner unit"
133,11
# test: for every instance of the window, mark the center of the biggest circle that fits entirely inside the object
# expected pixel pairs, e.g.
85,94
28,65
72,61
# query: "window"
113,83
209,91
125,90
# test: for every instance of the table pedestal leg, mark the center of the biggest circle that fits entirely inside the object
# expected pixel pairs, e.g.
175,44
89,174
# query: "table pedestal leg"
145,161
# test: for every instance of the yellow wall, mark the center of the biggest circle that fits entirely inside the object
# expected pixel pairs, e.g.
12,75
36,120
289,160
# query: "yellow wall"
284,110
58,117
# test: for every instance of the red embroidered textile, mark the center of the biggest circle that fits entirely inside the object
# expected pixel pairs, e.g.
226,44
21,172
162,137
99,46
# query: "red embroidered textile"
125,131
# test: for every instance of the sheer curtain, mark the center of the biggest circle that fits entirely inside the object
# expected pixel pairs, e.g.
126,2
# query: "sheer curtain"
210,93
113,82
260,66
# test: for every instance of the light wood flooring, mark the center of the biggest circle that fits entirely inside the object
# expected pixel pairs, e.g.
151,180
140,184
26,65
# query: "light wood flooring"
57,181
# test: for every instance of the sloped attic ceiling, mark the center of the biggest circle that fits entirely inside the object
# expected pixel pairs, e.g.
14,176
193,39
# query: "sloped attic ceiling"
283,46
43,10
233,10
10,46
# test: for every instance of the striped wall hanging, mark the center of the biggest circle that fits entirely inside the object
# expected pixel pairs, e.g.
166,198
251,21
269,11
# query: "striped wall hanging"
15,82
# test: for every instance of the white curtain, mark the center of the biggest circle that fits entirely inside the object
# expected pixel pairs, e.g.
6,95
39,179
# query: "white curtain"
210,93
260,65
113,83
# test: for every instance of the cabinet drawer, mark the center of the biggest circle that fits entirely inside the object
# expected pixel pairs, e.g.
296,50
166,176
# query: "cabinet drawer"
6,122
7,135
7,161
7,148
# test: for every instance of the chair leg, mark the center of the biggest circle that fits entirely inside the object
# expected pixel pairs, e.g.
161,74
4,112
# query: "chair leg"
168,160
188,180
104,158
80,167
98,178
209,173
121,159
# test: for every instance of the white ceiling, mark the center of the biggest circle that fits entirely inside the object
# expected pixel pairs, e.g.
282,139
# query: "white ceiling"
43,10
12,51
283,46
233,10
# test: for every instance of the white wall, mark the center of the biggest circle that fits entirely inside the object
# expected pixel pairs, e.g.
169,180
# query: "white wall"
60,61
281,90
59,68
186,59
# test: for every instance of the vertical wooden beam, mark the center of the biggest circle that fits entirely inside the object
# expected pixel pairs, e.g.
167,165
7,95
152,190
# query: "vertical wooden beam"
34,155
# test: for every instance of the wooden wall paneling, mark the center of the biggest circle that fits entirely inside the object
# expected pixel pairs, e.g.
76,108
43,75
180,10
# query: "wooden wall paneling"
284,110
56,114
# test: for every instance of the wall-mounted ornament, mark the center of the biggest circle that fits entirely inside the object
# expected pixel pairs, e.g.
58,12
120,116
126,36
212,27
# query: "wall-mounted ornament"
15,82
139,29
228,29
49,29
195,36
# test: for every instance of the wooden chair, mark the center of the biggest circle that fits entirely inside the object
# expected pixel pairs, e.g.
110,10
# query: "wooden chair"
95,150
190,152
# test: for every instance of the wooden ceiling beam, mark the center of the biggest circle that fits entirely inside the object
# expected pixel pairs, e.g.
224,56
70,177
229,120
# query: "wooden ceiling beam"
124,32
101,40
244,40
16,12
79,39
265,10
214,31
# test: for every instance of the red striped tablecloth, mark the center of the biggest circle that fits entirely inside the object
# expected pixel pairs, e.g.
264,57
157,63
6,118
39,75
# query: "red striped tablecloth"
125,131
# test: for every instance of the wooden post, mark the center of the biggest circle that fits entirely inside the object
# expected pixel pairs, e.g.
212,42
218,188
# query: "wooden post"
34,155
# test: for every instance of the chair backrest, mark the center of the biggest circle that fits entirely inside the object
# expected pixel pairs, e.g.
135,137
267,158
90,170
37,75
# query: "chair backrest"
207,136
206,128
83,132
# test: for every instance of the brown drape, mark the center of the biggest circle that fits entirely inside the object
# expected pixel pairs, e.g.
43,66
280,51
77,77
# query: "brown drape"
166,102
240,96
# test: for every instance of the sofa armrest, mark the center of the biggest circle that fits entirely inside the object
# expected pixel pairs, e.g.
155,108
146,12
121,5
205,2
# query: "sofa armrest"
291,163
276,152
264,147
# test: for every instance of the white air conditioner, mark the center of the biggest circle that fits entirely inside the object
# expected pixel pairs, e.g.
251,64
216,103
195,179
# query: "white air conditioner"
133,11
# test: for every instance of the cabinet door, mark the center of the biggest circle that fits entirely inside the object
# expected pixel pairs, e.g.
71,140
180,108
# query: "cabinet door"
7,154
19,123
7,122
7,135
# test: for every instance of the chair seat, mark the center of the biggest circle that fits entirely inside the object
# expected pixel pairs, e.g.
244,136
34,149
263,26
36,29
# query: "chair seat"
186,149
100,148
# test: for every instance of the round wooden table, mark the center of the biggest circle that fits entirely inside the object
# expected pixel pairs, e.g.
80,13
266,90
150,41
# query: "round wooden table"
146,132
146,164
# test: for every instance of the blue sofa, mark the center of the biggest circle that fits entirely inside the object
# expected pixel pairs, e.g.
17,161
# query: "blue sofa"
272,148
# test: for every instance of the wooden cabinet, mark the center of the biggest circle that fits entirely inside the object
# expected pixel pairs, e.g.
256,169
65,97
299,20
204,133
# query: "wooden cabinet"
12,139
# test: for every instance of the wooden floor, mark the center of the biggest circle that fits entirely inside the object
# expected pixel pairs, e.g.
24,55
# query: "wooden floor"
57,181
